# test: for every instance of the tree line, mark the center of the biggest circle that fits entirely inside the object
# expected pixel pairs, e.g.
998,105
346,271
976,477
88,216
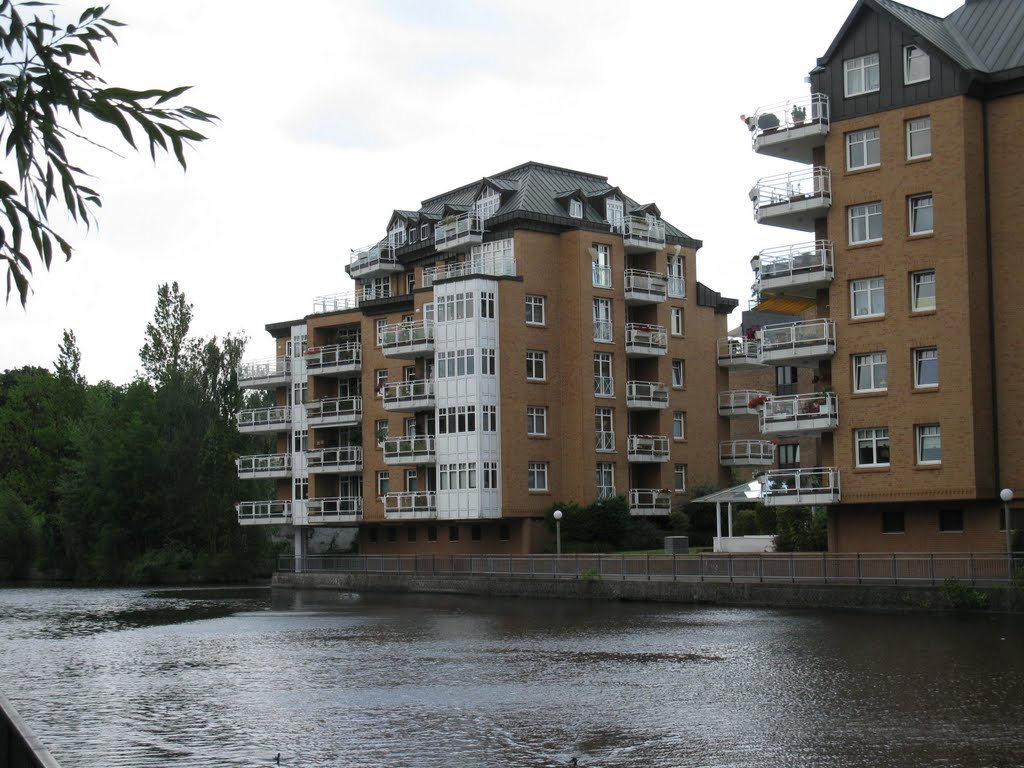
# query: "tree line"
129,483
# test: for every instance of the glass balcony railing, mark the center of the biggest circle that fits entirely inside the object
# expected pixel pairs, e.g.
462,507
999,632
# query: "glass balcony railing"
650,501
643,287
273,419
646,394
648,448
798,487
457,230
265,465
264,373
334,358
347,458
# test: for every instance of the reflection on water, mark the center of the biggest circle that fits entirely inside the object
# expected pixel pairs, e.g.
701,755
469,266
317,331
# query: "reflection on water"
197,677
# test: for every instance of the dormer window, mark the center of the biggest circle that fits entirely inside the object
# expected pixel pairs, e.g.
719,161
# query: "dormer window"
488,205
916,65
861,74
614,213
576,209
396,235
424,231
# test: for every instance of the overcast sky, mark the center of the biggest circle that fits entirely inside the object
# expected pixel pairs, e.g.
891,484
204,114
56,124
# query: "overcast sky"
339,111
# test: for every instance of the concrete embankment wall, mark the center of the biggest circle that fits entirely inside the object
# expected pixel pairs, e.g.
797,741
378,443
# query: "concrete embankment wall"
748,593
19,748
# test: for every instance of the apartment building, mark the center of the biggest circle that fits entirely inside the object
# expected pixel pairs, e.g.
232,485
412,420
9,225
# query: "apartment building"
530,337
883,355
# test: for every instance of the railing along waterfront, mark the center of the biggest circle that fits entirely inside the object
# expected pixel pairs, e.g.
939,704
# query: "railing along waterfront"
884,568
19,746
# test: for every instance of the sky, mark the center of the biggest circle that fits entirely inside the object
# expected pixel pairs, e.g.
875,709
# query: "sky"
335,114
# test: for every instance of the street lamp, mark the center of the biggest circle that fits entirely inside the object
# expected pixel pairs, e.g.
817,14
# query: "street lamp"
558,531
1007,496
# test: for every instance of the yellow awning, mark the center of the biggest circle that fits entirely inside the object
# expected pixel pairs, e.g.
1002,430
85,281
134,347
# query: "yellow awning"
786,305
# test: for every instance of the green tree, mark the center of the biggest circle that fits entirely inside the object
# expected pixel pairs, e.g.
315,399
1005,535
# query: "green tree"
801,529
45,90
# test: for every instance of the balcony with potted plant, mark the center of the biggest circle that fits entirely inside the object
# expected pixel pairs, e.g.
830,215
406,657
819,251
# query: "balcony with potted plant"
790,130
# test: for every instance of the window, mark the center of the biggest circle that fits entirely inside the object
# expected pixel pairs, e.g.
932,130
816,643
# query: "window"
919,138
488,205
679,374
602,319
381,324
926,367
867,297
453,533
431,533
785,380
487,361
614,213
373,535
490,474
300,488
380,431
676,277
410,532
865,223
679,478
862,149
410,281
916,65
456,362
602,268
456,419
922,290
300,440
535,365
383,483
535,310
412,483
458,306
476,532
536,420
605,479
503,533
424,231
929,444
951,520
380,380
604,429
789,456
870,372
679,425
861,74
392,535
576,209
487,304
872,447
537,476
677,321
921,218
892,521
604,386
489,418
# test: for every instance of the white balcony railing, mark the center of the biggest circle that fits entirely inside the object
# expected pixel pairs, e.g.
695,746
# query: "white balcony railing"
795,414
741,402
646,394
746,453
253,373
334,357
648,448
271,419
646,339
405,395
347,458
498,265
407,337
641,232
458,229
604,386
265,465
334,302
410,505
644,286
266,512
650,501
738,352
795,198
803,264
335,410
409,449
334,509
604,441
815,485
800,341
603,330
373,259
787,115
372,291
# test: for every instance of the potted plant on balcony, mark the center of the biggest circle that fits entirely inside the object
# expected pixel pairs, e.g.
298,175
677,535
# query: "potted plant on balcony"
768,122
757,402
799,114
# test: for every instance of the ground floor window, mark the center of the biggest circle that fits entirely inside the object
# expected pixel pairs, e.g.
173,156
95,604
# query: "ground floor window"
892,521
951,520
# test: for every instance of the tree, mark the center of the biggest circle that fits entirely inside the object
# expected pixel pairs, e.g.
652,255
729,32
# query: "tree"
44,92
165,351
69,359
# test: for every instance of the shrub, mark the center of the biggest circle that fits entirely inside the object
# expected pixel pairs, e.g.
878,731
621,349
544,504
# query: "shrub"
962,597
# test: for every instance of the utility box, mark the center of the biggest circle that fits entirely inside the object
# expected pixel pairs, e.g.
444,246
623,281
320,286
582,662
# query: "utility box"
677,545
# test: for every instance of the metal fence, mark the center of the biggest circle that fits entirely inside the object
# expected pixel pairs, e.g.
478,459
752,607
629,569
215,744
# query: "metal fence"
821,568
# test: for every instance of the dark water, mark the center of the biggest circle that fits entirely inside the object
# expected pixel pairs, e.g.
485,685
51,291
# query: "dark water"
233,677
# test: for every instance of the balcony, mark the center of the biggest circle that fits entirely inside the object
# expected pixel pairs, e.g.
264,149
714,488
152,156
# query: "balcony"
799,487
408,340
646,340
334,509
641,234
265,374
736,402
413,505
647,448
496,265
793,200
646,395
746,453
272,465
348,459
791,130
265,420
459,232
802,343
604,441
739,353
643,287
371,291
409,396
645,502
801,268
334,412
375,260
796,415
335,360
264,512
410,449
334,302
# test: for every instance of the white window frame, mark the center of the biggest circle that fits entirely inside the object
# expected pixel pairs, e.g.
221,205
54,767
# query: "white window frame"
676,273
916,127
877,366
615,212
604,479
575,209
537,476
928,437
926,356
383,482
916,205
679,425
678,323
918,301
862,66
679,478
603,320
300,488
380,324
536,363
488,204
865,213
867,140
536,420
534,309
604,380
875,438
604,429
679,367
912,54
601,267
867,297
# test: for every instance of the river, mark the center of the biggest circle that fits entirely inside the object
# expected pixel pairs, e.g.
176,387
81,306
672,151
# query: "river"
234,677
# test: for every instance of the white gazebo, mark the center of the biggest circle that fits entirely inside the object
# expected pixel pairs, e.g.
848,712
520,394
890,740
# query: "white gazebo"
747,493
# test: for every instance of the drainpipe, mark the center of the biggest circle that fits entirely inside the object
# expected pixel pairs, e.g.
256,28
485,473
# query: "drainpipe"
994,393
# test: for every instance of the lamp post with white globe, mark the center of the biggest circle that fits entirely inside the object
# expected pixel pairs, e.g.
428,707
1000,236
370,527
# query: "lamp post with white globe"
1007,496
558,531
